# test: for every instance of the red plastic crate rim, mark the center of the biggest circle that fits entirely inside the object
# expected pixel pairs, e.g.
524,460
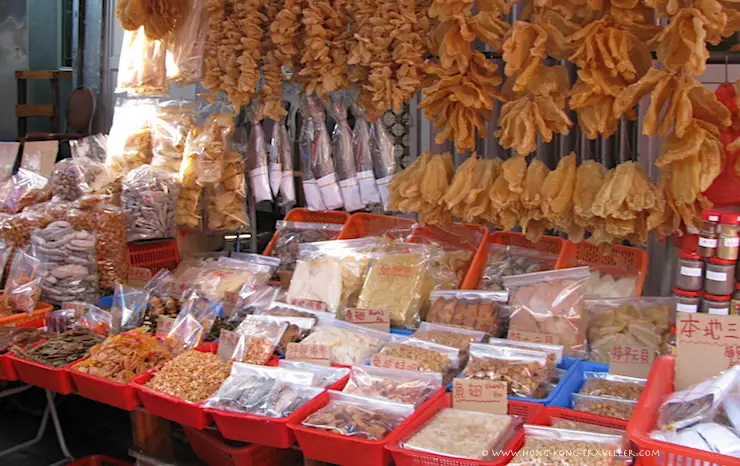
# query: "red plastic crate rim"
154,255
529,412
99,460
40,375
210,447
117,394
658,387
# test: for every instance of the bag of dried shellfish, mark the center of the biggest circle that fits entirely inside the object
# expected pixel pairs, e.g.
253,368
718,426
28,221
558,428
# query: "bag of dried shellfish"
384,161
148,199
256,156
344,160
315,138
363,158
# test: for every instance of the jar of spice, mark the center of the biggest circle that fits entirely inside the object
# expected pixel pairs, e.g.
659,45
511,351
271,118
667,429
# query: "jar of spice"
728,237
690,271
718,279
717,305
708,234
687,301
735,301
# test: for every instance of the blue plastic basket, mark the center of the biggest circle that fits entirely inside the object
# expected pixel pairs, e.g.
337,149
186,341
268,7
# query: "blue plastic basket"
106,302
573,382
402,331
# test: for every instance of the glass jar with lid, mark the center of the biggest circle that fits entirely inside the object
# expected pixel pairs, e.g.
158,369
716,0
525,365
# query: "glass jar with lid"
729,241
687,301
716,305
708,235
719,277
690,271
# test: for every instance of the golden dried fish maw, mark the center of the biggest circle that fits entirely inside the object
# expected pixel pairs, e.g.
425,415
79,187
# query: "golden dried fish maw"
535,178
557,192
641,196
682,43
435,182
558,28
705,105
613,192
462,182
489,28
446,10
589,179
595,115
662,93
676,148
685,179
711,159
478,201
523,51
632,94
506,190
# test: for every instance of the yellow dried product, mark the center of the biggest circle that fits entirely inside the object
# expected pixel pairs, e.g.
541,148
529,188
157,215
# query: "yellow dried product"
284,33
187,213
461,184
251,22
533,221
477,201
397,282
227,201
589,179
506,191
142,66
523,51
169,131
421,187
191,376
557,194
682,44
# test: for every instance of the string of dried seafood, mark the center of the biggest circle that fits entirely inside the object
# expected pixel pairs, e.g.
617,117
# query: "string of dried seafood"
159,17
271,89
422,187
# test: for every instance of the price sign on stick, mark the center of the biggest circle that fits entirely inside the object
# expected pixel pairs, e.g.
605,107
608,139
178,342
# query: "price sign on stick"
480,395
377,319
392,362
631,360
315,354
705,346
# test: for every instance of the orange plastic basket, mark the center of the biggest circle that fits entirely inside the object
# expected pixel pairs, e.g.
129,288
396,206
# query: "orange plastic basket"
658,387
363,225
24,318
548,244
623,260
530,412
154,255
308,216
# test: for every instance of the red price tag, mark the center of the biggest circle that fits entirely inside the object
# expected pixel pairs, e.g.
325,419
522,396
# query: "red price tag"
480,395
315,354
377,319
392,362
139,276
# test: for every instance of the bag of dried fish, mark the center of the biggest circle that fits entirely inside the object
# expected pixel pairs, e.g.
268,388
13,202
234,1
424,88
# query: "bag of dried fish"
142,66
385,165
256,157
505,261
62,349
290,237
315,138
149,199
363,156
344,160
282,149
23,286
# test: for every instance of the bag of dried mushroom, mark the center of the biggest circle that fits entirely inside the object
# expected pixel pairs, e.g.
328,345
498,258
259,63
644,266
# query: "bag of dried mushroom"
186,48
142,66
130,139
550,305
149,199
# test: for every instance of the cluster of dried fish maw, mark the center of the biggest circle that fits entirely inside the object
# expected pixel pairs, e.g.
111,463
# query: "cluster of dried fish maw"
159,17
538,109
532,219
422,187
505,193
468,195
463,81
271,89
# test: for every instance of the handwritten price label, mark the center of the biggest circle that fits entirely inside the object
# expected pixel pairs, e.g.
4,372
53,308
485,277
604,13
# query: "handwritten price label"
705,346
177,289
315,354
480,395
631,360
310,304
377,319
392,362
164,325
534,337
228,341
139,276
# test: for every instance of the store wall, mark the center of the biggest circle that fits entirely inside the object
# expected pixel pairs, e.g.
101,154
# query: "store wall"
13,56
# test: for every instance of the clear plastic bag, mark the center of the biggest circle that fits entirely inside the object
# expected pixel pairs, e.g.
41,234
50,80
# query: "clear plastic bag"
430,356
631,321
186,48
170,126
324,376
315,138
397,280
455,337
8,157
308,140
344,160
64,184
98,320
463,434
210,140
363,157
129,307
357,416
297,328
188,212
283,374
39,157
612,385
193,323
234,280
70,265
23,189
149,199
258,338
290,237
23,286
385,165
142,66
550,303
285,157
604,406
523,370
256,158
545,446
278,141
707,436
350,344
5,251
606,282
130,139
409,387
505,261
329,275
226,206
477,310
62,320
94,176
554,352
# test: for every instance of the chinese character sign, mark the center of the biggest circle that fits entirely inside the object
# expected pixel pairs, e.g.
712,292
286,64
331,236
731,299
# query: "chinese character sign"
316,354
631,360
377,319
480,395
706,345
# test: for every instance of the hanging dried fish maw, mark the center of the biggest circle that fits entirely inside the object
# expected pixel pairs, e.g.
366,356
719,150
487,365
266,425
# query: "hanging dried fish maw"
477,201
557,193
462,183
632,94
523,51
589,179
489,28
533,221
505,192
682,43
131,13
284,33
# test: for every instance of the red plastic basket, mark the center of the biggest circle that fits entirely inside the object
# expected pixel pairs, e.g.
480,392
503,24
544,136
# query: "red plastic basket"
154,255
623,260
580,416
363,225
272,432
308,216
548,244
529,412
99,460
333,448
24,318
210,447
658,387
116,394
7,370
41,375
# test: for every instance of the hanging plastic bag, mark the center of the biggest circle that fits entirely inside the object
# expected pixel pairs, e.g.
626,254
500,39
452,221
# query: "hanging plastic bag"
39,157
363,157
130,140
344,160
385,165
149,199
306,141
226,208
210,141
187,47
22,190
277,143
142,66
8,157
287,180
129,307
23,286
189,199
319,151
170,126
257,156
5,250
